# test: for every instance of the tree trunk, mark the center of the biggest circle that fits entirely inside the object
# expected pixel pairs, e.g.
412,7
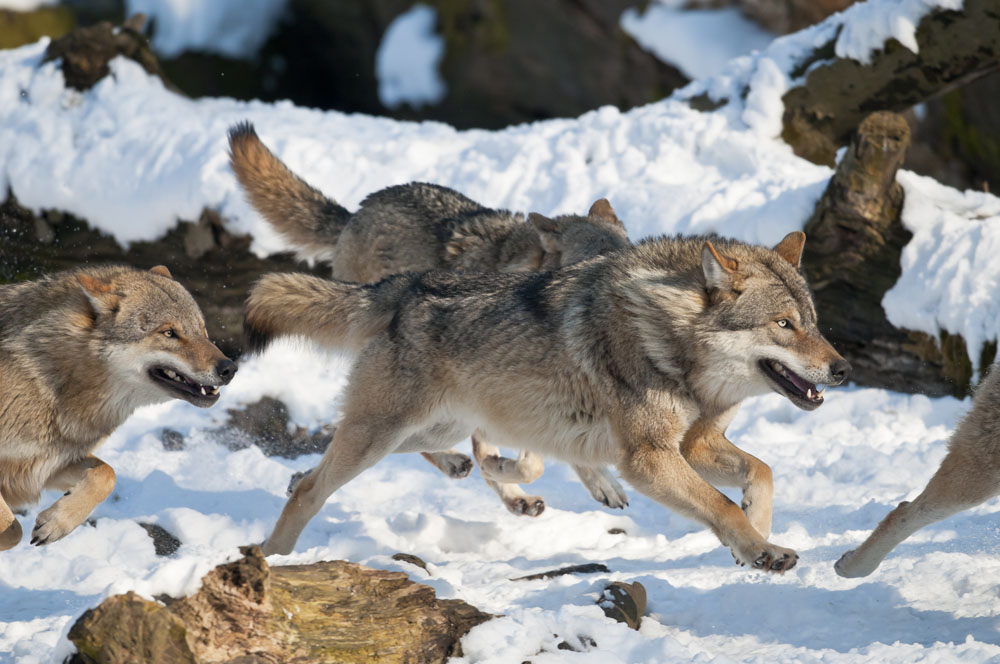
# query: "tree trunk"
954,47
852,258
245,611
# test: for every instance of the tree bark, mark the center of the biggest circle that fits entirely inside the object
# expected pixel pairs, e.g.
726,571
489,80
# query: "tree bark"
852,258
954,47
245,611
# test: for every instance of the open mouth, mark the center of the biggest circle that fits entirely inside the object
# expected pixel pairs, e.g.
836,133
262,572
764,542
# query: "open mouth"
799,390
183,387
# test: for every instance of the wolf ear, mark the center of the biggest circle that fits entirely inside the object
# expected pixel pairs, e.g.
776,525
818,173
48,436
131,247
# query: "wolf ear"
548,231
162,271
790,248
100,294
602,208
719,270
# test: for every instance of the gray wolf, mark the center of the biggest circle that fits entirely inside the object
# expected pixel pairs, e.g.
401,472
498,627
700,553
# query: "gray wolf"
79,351
969,475
418,227
639,358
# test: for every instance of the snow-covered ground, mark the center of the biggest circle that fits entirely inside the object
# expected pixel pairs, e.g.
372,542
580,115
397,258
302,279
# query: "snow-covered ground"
132,158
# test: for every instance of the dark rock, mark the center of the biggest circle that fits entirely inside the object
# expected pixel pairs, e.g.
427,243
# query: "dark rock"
85,52
247,612
586,568
412,559
173,441
164,543
624,602
265,424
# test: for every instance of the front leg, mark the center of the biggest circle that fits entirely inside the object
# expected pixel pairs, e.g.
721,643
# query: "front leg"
721,463
652,462
87,483
10,528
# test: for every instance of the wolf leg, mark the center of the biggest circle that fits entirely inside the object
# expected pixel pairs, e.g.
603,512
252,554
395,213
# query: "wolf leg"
661,472
452,463
965,479
10,528
86,483
723,464
495,468
603,486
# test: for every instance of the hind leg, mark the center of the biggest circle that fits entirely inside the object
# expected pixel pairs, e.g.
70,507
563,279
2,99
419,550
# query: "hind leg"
502,474
965,479
10,528
356,446
86,483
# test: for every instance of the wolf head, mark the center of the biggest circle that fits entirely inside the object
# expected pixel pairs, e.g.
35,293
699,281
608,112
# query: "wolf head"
153,336
763,320
731,319
570,239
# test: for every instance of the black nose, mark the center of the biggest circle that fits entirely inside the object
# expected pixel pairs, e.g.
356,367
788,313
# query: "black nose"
840,370
226,369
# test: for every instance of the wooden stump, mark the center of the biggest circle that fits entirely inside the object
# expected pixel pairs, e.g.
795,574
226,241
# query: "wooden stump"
245,611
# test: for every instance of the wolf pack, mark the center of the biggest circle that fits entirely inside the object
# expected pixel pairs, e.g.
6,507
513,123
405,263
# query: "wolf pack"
554,336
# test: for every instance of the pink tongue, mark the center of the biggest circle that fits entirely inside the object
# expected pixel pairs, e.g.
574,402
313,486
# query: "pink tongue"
799,382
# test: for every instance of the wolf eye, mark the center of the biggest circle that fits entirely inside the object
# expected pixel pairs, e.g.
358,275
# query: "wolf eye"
784,322
170,334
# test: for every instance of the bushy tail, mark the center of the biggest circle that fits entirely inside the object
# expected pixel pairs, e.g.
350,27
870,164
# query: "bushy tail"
310,221
335,314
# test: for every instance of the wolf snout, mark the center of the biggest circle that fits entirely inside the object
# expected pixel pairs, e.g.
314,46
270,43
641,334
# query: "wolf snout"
225,369
840,370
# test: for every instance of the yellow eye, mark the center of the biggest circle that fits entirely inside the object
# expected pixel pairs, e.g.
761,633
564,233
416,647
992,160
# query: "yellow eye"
170,334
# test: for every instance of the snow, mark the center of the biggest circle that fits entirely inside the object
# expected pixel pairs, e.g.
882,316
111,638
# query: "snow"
407,60
26,5
876,21
132,158
233,28
679,36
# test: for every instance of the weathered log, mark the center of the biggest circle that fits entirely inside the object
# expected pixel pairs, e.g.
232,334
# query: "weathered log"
316,613
852,258
954,47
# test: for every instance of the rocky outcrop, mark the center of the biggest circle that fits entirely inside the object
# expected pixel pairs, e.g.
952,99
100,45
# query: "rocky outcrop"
248,612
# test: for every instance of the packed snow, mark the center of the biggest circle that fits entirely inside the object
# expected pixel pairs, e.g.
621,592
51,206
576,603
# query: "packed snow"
132,158
234,28
679,35
407,60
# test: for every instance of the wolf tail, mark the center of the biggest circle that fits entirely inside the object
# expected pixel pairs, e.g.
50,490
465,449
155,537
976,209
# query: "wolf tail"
335,314
310,221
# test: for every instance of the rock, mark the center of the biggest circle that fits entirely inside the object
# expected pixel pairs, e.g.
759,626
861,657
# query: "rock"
164,543
624,602
248,612
265,424
586,568
85,52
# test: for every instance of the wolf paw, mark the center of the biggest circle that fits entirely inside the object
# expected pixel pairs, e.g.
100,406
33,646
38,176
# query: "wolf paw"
607,491
777,559
459,466
850,568
51,525
526,505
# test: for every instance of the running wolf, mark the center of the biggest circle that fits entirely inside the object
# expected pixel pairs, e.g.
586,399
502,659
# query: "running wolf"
79,351
968,476
418,227
639,358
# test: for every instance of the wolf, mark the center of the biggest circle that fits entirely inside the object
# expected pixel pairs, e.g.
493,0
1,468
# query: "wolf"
639,358
418,227
968,475
79,351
